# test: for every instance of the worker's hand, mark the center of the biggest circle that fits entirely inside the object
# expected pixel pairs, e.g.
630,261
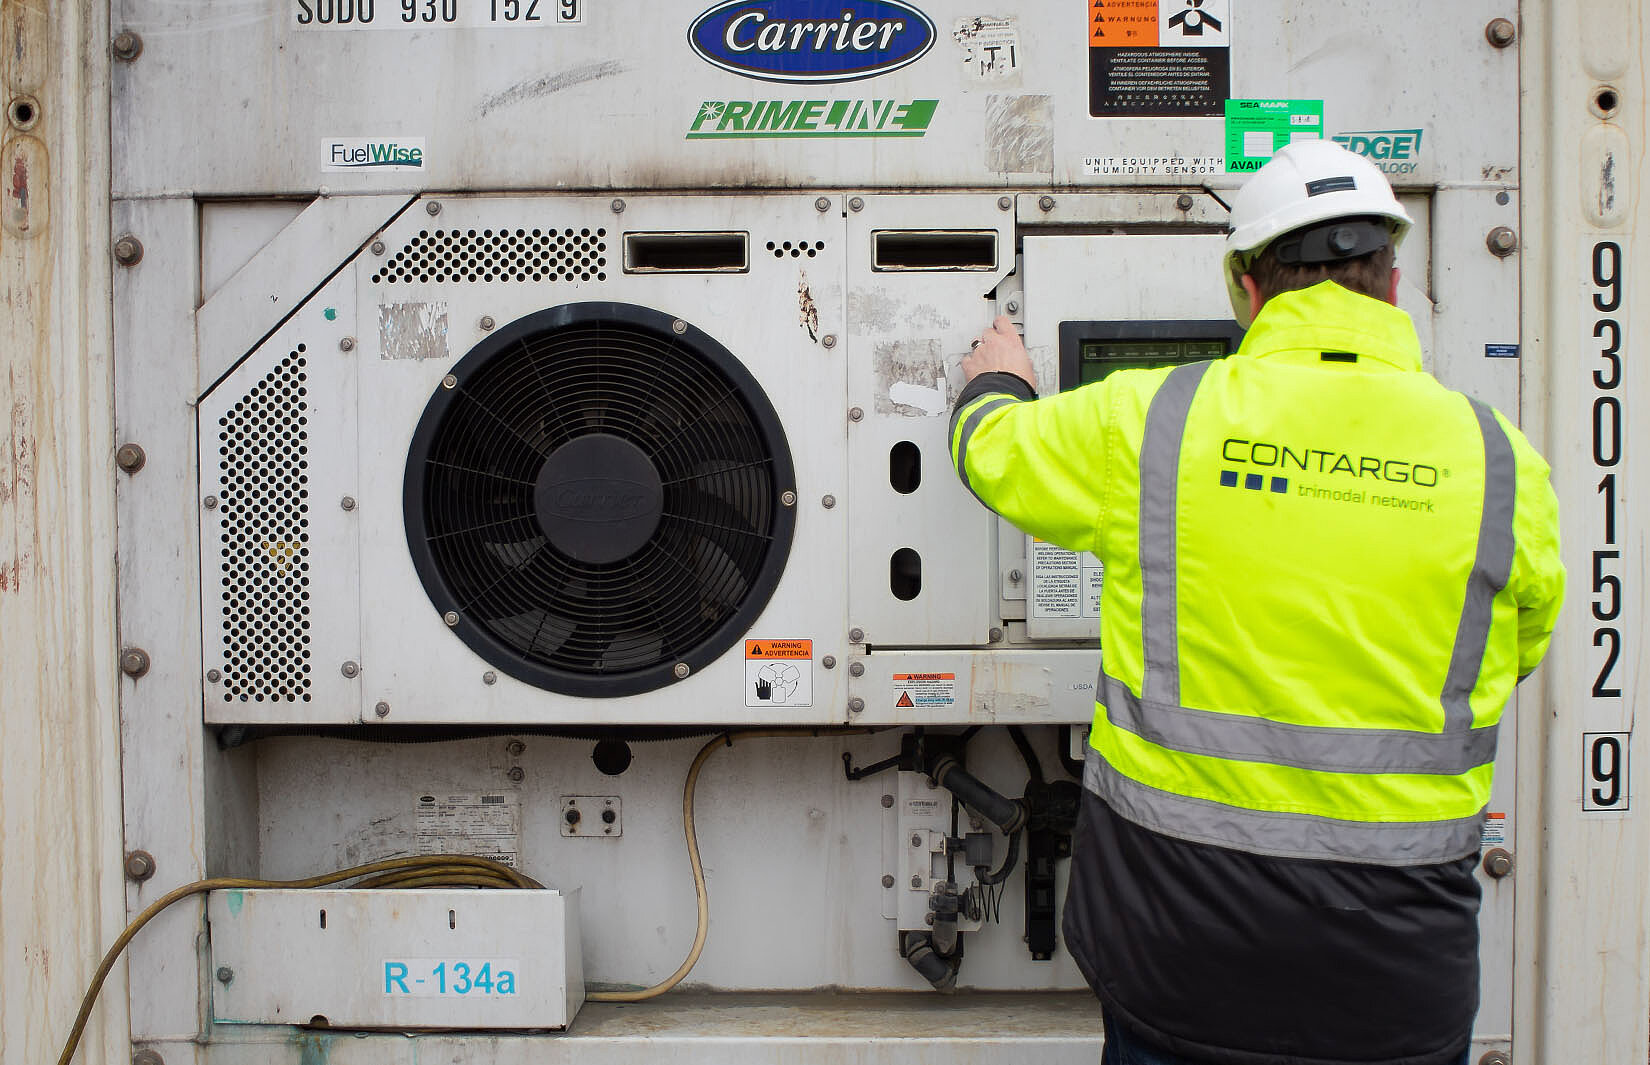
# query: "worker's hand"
999,349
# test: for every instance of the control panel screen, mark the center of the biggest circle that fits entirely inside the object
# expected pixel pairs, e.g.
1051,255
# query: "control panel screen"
1091,350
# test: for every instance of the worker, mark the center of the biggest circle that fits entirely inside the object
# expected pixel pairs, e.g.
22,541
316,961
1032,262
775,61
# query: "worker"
1324,574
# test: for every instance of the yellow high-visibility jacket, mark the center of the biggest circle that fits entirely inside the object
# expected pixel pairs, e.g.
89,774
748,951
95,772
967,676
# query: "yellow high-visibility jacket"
1324,574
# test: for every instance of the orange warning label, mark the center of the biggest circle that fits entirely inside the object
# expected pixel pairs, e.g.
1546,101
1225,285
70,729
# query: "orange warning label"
905,699
779,649
1123,23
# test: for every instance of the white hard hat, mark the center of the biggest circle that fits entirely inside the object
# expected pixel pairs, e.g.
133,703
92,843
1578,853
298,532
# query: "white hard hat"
1305,183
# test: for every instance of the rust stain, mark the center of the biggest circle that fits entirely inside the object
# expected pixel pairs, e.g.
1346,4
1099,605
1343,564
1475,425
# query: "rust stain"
20,189
1607,186
807,310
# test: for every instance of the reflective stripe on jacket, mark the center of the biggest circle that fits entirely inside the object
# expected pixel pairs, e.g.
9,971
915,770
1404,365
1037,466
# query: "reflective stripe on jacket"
1324,573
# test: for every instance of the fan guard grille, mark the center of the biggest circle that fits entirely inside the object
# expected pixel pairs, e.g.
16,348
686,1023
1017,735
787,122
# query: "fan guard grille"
594,498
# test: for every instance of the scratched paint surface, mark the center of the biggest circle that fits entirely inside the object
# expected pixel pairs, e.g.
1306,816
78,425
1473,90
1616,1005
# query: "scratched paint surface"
60,890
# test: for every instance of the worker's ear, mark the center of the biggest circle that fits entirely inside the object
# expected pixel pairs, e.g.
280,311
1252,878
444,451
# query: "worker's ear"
1392,290
1256,300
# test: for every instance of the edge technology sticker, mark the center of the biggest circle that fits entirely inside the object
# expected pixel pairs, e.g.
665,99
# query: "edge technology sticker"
1159,58
779,673
1256,129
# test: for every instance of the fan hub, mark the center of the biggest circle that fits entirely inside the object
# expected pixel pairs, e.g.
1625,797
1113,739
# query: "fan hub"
598,498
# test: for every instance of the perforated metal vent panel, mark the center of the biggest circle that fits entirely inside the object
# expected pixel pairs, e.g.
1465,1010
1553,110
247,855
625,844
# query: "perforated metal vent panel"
499,255
263,508
796,249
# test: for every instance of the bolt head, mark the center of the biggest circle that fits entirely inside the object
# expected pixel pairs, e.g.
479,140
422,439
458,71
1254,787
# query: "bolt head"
450,381
350,669
147,1057
1498,863
490,678
788,498
1015,576
1005,203
1183,201
346,344
856,204
347,503
451,618
378,247
210,502
128,250
487,322
829,340
887,880
225,974
617,206
140,865
887,802
856,669
829,661
678,327
856,705
432,208
916,882
517,774
1045,203
856,414
680,670
126,46
213,676
1500,32
822,204
994,635
916,840
828,502
856,635
1501,241
515,748
1013,307
134,662
382,709
130,457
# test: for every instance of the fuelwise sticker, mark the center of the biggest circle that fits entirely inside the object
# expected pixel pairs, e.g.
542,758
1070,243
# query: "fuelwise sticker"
1256,129
1396,151
767,119
339,154
815,41
1159,58
779,673
923,691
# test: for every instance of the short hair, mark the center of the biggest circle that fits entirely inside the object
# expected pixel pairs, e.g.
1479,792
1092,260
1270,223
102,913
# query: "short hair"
1370,275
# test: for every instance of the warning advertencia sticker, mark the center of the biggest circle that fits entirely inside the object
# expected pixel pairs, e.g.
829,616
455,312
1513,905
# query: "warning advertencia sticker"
779,673
1159,58
913,691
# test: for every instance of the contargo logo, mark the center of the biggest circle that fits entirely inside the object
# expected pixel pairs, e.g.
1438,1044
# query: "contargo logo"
811,40
759,119
373,153
1395,151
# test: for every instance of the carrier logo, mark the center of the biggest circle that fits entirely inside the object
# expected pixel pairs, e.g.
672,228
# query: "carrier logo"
372,153
811,40
601,499
1395,151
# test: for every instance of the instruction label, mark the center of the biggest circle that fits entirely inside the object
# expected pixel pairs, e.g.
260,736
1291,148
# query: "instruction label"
917,691
1256,129
1159,58
1495,829
483,824
779,673
1064,584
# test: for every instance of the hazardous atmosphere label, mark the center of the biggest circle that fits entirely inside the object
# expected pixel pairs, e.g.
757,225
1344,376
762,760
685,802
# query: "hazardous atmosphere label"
779,673
1159,58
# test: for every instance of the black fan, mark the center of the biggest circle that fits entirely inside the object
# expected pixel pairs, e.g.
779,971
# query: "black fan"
598,495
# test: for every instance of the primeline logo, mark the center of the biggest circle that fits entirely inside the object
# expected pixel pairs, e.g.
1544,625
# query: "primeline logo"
372,153
811,40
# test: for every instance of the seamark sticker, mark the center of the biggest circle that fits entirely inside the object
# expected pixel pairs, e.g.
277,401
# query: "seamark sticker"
779,673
